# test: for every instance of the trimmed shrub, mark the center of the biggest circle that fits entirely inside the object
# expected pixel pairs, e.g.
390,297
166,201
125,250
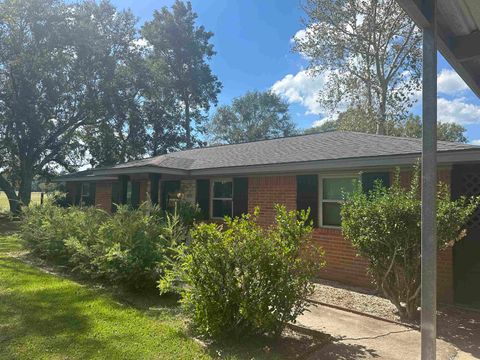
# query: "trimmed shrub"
384,226
241,279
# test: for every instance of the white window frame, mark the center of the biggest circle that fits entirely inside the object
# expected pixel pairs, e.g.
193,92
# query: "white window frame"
212,184
355,175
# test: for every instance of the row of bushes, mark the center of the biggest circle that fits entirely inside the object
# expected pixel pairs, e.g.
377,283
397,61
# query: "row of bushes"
128,248
234,279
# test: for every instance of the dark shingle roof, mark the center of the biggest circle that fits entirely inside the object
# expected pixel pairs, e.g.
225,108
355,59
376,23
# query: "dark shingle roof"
302,148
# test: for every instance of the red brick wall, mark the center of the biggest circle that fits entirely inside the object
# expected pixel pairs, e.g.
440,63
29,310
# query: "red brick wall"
342,263
267,191
71,192
103,195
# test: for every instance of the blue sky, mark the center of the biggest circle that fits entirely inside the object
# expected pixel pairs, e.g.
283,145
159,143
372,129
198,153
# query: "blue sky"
254,51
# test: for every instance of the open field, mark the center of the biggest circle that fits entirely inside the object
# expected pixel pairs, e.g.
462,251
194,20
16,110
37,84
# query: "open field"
4,201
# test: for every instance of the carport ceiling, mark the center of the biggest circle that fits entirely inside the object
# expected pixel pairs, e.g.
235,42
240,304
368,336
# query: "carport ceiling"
458,33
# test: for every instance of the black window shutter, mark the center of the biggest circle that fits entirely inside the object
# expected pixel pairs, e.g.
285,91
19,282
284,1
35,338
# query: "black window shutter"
115,195
203,198
123,186
169,186
78,193
93,188
154,181
135,194
307,195
240,196
369,178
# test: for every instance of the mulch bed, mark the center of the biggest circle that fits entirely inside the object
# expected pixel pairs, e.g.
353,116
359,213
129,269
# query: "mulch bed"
362,300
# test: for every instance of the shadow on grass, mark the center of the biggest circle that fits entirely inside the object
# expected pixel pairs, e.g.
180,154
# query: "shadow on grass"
43,311
47,316
44,316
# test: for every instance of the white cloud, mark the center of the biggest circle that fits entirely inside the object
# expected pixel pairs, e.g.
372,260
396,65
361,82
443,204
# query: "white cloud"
450,83
302,89
475,142
458,110
299,35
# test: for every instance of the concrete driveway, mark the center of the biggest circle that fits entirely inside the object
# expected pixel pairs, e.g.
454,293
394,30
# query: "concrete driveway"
362,337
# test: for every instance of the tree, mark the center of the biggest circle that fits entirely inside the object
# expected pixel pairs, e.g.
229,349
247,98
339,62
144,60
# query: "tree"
445,131
370,53
121,133
327,125
384,227
55,63
253,116
181,48
356,119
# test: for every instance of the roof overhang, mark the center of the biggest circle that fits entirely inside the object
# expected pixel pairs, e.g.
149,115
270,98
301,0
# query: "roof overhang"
445,158
458,38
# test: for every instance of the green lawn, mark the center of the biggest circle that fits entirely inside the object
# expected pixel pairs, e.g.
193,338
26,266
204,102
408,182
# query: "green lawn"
45,316
4,200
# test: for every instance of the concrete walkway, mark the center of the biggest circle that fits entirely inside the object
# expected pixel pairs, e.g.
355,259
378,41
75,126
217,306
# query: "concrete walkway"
362,337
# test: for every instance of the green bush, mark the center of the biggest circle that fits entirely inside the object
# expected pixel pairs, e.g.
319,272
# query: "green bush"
384,226
129,248
239,278
45,228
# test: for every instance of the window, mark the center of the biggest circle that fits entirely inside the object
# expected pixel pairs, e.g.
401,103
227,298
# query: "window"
331,197
222,198
85,195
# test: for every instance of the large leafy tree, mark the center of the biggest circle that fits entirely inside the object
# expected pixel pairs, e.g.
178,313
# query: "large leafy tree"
180,49
57,65
120,134
357,119
253,116
369,50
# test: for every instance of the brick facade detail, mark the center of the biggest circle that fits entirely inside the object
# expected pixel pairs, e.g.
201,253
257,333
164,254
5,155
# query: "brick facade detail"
342,263
265,192
103,195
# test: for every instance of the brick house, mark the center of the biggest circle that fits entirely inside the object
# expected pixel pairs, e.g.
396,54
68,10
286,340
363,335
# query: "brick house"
300,172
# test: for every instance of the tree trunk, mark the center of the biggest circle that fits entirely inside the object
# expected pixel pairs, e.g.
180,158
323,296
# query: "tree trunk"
382,118
13,199
25,190
188,134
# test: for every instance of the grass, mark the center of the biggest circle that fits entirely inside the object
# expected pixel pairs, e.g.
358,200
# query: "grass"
43,316
47,316
4,206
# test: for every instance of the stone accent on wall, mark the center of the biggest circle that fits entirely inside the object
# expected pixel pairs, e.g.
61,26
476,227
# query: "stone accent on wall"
188,189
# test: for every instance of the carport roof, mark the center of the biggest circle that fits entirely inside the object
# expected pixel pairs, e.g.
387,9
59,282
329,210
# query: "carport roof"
458,34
